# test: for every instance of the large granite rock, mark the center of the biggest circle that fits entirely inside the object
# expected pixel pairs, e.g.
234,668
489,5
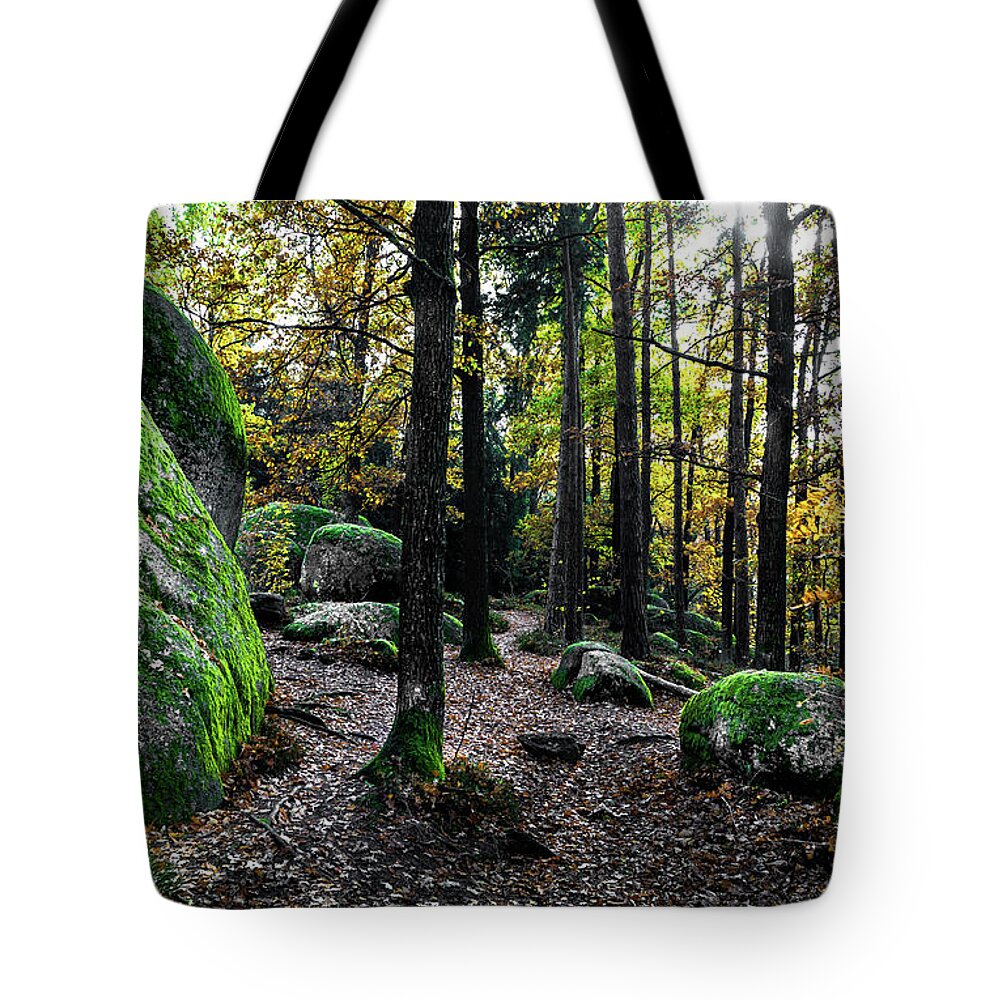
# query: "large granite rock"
195,407
781,729
595,672
661,619
351,562
363,621
203,676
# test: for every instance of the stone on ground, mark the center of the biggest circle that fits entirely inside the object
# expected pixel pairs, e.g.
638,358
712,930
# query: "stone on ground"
359,621
595,672
351,562
785,730
193,403
203,676
552,746
269,610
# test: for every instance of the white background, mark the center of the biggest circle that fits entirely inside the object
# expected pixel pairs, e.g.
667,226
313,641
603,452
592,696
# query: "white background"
886,112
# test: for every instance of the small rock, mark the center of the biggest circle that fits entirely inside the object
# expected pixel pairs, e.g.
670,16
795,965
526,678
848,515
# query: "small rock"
552,746
269,610
518,843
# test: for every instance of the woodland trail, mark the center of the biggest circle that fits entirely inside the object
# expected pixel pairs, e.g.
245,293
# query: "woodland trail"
626,824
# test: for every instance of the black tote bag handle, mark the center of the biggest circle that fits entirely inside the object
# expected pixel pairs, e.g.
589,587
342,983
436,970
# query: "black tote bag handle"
635,56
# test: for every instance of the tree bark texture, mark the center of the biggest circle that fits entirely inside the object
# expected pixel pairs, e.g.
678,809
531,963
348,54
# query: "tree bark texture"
564,601
477,641
635,638
680,587
414,745
772,598
736,583
646,416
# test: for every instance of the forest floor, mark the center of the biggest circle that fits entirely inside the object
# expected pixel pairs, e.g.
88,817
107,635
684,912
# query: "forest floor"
626,825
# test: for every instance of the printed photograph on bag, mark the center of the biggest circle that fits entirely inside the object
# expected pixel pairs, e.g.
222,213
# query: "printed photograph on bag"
491,554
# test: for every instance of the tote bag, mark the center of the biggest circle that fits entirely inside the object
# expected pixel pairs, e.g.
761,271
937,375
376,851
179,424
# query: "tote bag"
490,553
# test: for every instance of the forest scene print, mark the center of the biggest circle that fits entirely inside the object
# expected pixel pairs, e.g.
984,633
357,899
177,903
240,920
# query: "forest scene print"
491,553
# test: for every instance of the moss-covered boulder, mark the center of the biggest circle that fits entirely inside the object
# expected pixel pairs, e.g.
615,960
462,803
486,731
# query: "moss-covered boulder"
595,672
785,730
298,521
661,619
682,673
193,403
363,620
375,654
664,643
273,540
203,676
350,562
360,621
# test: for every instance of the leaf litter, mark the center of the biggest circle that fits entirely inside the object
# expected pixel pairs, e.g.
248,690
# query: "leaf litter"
626,825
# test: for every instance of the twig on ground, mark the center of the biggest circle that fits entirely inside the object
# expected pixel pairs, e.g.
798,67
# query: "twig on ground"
293,848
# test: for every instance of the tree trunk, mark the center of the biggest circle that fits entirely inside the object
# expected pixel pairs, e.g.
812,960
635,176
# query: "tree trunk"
353,498
635,639
677,446
564,601
798,576
736,584
413,747
477,641
646,417
772,521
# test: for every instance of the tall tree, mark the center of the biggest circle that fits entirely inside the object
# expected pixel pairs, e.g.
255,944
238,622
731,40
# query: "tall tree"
811,349
635,638
645,391
414,744
563,610
773,516
477,641
735,574
353,499
677,444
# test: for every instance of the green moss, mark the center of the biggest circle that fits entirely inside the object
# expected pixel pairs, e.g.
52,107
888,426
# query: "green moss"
203,675
358,532
583,685
206,391
298,521
697,641
689,676
498,624
367,619
383,647
376,654
538,642
763,715
665,642
662,619
569,662
412,750
189,394
361,620
453,630
480,649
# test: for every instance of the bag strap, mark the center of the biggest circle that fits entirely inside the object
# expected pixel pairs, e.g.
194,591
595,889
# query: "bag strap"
646,88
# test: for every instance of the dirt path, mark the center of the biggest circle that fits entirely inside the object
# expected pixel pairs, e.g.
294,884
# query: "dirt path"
626,824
